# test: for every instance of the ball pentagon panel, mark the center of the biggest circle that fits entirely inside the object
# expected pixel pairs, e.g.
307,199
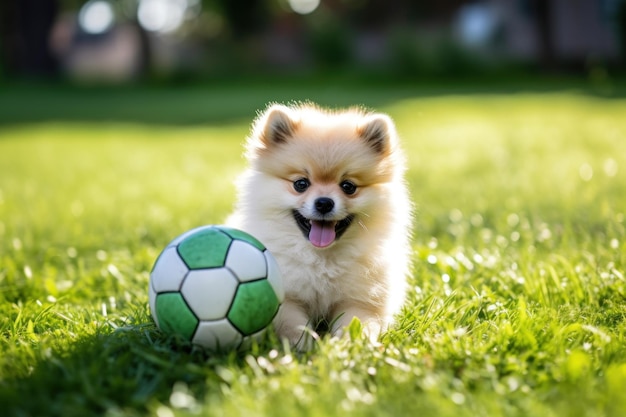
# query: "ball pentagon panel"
209,292
168,272
217,335
246,261
174,314
254,306
206,248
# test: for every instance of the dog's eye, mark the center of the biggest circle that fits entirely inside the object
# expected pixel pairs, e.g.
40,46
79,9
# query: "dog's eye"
348,187
301,185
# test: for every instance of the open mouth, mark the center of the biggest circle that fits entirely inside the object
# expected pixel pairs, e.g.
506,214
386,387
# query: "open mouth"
322,233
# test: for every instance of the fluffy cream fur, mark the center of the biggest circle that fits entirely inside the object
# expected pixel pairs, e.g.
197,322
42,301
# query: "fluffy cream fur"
362,273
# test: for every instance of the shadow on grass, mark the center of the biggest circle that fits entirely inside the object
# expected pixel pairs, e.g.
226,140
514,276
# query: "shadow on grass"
129,371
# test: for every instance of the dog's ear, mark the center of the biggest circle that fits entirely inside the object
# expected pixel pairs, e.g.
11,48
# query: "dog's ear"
378,132
279,124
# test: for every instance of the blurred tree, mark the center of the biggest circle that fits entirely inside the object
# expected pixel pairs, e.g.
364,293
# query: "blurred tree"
621,29
245,17
25,27
541,10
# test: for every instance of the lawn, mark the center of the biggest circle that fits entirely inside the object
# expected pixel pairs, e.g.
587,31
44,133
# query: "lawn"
517,304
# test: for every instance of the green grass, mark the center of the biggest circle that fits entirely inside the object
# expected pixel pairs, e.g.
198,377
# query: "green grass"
518,298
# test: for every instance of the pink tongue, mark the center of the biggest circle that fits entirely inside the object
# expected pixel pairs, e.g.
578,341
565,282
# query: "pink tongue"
322,233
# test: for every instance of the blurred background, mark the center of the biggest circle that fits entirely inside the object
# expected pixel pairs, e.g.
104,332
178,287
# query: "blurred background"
122,41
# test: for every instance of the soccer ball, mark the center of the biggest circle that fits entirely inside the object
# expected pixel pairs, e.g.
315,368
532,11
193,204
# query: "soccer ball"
216,286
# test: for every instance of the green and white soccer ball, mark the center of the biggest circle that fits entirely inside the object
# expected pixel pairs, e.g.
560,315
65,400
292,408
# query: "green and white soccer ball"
215,286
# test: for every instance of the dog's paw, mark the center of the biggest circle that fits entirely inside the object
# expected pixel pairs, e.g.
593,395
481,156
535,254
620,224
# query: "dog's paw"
292,324
306,341
370,328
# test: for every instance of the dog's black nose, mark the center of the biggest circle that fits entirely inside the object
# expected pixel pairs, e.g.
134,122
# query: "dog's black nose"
324,205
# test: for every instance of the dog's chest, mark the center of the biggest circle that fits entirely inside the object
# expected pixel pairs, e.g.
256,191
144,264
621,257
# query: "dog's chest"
317,281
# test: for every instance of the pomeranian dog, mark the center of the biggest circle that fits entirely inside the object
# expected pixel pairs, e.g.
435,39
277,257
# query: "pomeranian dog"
325,192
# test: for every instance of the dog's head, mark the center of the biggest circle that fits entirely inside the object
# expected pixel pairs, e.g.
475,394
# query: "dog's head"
330,166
